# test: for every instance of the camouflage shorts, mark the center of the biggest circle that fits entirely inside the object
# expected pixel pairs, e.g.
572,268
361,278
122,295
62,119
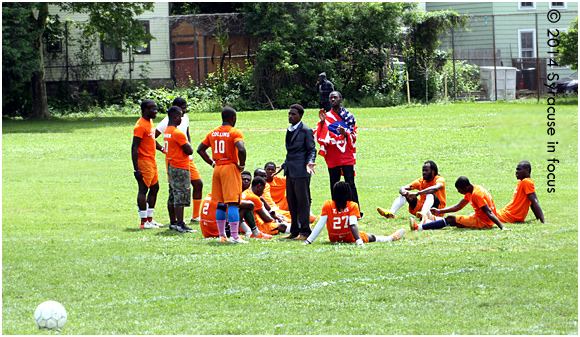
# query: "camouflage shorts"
179,187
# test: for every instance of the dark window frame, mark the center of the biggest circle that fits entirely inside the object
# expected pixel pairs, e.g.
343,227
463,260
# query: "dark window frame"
145,50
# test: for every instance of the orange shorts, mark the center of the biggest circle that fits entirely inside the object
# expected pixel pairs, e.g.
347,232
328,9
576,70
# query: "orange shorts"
266,227
149,171
349,238
504,217
283,205
193,171
226,186
471,221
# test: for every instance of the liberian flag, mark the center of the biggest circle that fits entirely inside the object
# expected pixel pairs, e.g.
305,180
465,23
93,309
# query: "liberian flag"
330,135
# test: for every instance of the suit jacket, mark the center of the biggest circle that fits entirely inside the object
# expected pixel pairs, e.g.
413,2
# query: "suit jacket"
300,150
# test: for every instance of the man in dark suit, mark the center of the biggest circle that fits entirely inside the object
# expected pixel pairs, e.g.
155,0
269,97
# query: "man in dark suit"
298,167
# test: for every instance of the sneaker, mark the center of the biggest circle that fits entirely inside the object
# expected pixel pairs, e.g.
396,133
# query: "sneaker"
187,229
173,226
180,229
192,220
261,236
224,239
426,216
385,213
413,224
238,240
398,234
157,224
148,225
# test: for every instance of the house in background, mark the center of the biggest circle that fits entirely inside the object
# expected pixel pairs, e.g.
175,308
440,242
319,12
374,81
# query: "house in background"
184,52
517,31
63,60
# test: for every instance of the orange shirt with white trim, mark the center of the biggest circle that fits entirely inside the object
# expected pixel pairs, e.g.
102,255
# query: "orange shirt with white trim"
207,221
145,130
222,141
338,222
518,208
421,184
174,139
478,199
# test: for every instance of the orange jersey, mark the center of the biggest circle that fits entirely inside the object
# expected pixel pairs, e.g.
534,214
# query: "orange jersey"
268,196
421,184
278,191
251,196
479,198
337,224
518,208
145,130
208,223
222,141
174,139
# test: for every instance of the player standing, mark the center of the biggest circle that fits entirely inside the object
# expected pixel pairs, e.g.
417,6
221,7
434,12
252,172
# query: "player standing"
227,144
144,164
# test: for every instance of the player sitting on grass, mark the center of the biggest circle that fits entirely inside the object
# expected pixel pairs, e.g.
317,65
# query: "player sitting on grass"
524,198
484,217
340,215
275,212
208,222
264,221
431,188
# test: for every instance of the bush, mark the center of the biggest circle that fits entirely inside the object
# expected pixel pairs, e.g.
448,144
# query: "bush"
467,78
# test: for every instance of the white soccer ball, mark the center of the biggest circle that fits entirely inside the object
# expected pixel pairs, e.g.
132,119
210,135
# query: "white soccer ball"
50,315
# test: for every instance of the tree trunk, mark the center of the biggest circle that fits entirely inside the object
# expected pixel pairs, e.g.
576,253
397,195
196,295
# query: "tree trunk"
39,99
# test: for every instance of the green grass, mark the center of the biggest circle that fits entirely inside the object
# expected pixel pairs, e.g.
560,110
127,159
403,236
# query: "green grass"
69,233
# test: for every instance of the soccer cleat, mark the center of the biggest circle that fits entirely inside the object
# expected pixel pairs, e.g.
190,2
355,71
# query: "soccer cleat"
238,240
385,213
187,229
193,220
426,216
148,225
413,224
398,234
224,239
261,236
157,224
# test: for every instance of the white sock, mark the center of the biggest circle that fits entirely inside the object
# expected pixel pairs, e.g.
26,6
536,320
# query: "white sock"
245,228
398,203
288,228
150,211
142,214
429,200
383,238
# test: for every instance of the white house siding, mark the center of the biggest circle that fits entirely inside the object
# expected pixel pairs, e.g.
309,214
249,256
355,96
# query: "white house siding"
159,64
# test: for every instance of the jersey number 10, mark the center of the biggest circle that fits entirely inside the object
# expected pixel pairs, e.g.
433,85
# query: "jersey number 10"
219,146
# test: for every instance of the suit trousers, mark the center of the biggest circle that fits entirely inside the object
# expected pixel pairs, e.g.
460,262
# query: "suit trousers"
298,197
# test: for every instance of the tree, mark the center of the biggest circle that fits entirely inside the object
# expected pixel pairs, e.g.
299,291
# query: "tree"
297,41
569,46
114,22
421,56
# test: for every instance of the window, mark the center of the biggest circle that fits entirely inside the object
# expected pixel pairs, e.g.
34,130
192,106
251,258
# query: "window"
558,5
53,45
145,45
526,5
110,53
527,42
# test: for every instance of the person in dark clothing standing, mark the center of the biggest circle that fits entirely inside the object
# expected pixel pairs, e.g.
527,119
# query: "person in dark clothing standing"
298,168
324,87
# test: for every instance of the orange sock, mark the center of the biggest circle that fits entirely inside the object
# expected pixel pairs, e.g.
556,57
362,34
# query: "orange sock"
196,207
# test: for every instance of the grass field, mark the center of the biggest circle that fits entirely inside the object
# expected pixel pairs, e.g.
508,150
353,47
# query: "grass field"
70,234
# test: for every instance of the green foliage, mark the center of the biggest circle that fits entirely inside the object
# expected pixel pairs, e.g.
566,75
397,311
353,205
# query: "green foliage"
422,58
467,78
568,48
299,40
